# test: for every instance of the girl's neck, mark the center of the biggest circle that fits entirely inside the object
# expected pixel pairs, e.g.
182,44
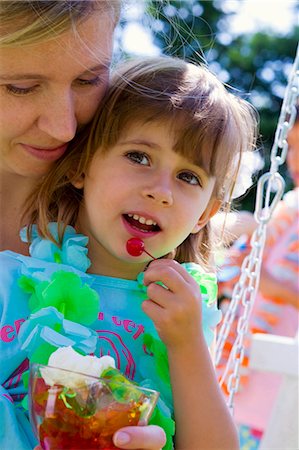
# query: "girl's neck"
102,263
14,191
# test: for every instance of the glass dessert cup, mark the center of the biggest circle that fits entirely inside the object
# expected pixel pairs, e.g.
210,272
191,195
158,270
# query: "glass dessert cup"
81,411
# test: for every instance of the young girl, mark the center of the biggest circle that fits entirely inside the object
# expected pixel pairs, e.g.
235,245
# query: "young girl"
156,164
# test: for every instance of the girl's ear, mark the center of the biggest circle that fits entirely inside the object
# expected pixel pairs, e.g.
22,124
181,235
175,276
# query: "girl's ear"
212,208
79,182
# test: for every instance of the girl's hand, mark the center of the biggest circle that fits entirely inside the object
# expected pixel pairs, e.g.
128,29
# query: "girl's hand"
175,308
150,437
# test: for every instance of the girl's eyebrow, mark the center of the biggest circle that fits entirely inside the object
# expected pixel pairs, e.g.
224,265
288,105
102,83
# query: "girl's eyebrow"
35,76
141,142
155,146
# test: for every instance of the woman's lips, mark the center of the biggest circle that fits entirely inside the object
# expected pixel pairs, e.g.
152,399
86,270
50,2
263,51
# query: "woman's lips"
46,154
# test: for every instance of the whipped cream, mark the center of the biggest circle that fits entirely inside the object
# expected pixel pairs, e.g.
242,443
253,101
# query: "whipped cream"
80,367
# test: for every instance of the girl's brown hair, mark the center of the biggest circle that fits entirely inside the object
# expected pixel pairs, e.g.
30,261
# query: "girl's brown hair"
212,126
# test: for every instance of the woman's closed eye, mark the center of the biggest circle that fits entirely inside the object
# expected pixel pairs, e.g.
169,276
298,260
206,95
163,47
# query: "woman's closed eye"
190,178
19,90
138,158
96,81
25,90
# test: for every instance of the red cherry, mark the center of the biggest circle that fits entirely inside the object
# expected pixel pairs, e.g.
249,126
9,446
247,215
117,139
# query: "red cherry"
135,246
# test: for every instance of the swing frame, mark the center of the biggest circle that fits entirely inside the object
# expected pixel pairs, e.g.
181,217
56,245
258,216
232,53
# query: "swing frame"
246,288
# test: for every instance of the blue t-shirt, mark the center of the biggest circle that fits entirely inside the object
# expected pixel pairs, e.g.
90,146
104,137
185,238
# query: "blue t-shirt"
120,327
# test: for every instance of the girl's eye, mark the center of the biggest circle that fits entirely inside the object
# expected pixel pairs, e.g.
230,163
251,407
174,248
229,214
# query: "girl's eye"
11,88
190,178
96,81
138,158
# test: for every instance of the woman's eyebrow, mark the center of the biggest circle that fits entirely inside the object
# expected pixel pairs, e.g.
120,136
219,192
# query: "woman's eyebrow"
37,76
98,68
21,76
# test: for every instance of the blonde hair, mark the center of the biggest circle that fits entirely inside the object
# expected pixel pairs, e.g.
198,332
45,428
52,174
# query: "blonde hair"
212,128
25,22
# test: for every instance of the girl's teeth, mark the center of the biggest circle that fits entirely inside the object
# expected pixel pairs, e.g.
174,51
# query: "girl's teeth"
150,222
142,219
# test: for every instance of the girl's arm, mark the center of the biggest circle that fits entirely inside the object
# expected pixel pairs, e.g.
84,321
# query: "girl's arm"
202,417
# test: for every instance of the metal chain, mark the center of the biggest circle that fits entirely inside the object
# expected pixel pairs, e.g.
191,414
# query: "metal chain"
246,288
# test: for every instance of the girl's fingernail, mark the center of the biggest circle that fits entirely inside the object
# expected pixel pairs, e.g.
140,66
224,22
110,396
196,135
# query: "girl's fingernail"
121,438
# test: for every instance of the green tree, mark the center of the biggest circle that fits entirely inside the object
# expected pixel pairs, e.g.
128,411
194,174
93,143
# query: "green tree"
257,65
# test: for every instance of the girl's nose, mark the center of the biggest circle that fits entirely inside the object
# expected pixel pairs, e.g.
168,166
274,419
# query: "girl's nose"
160,193
58,118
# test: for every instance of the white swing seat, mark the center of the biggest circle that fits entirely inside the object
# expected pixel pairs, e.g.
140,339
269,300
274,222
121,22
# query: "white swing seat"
279,354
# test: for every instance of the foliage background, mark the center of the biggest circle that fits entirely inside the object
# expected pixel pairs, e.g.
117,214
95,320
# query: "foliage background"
256,64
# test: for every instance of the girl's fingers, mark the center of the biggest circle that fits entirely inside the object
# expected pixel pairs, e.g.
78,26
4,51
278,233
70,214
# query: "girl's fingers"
170,273
159,264
150,437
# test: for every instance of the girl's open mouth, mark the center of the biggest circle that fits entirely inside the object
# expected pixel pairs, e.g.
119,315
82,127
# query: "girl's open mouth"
140,223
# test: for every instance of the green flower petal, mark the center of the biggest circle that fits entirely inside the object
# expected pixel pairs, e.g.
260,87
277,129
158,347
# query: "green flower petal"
66,293
159,350
42,353
36,300
167,424
27,284
206,281
25,378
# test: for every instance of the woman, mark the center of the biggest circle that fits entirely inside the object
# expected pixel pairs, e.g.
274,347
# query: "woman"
54,68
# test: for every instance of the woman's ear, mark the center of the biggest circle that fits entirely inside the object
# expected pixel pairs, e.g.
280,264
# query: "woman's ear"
210,211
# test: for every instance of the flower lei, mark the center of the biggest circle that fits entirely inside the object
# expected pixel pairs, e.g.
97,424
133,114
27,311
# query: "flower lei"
57,319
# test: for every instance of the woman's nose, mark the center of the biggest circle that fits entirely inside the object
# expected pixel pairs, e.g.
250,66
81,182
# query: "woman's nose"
58,118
